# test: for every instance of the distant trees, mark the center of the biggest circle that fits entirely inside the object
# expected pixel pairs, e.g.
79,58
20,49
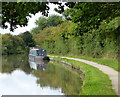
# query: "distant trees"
41,23
16,44
28,39
62,40
12,44
54,20
44,22
92,30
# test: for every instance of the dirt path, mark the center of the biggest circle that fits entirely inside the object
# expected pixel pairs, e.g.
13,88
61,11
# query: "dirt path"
113,75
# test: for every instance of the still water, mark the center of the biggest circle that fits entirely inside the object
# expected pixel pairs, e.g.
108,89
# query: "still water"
19,76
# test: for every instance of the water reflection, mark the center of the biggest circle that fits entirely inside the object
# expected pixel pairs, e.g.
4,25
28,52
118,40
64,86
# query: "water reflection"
57,76
17,78
38,65
13,62
21,76
18,83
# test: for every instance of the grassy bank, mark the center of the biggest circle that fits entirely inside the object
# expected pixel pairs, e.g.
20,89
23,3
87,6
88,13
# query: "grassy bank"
95,81
108,62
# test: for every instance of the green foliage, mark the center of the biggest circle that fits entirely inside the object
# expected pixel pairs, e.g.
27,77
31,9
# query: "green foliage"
27,38
17,13
89,15
44,22
12,44
94,33
54,39
13,62
15,44
57,76
60,46
35,30
54,20
101,42
74,45
41,23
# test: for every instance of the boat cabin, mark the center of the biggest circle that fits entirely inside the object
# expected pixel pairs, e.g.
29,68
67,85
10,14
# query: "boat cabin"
38,52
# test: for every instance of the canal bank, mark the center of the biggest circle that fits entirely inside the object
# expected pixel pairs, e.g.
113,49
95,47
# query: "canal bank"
97,81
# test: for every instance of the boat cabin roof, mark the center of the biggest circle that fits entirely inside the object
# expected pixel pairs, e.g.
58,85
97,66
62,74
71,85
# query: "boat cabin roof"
34,49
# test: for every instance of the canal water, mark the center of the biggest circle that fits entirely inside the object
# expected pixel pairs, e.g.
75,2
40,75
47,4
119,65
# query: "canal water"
19,76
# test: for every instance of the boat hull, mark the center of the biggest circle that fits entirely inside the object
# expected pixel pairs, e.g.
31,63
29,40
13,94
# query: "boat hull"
38,58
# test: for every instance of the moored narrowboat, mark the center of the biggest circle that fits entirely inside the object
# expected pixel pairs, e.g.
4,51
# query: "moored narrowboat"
36,54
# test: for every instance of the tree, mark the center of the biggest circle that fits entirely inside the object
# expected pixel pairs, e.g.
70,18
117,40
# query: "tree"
27,38
41,23
44,22
12,44
17,13
89,15
7,44
54,20
35,30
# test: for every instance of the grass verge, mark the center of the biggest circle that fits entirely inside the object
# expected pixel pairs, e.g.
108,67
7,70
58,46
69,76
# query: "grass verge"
95,81
108,62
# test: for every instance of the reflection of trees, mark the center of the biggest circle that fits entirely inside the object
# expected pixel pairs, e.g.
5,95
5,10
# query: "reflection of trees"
12,62
57,76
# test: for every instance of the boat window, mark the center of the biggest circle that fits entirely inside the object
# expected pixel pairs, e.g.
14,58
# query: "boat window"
41,52
33,52
30,52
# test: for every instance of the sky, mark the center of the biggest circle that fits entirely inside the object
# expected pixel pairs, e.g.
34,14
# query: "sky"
31,23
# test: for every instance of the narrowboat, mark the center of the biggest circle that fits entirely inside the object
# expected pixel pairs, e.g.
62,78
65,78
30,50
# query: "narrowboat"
36,54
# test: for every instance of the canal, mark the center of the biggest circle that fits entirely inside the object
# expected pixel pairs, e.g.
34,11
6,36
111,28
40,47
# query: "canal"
19,76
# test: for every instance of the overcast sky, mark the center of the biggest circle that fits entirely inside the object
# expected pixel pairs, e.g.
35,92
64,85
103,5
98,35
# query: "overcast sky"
31,23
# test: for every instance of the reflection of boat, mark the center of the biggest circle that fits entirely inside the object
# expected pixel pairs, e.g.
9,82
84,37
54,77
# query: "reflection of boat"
38,65
38,54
